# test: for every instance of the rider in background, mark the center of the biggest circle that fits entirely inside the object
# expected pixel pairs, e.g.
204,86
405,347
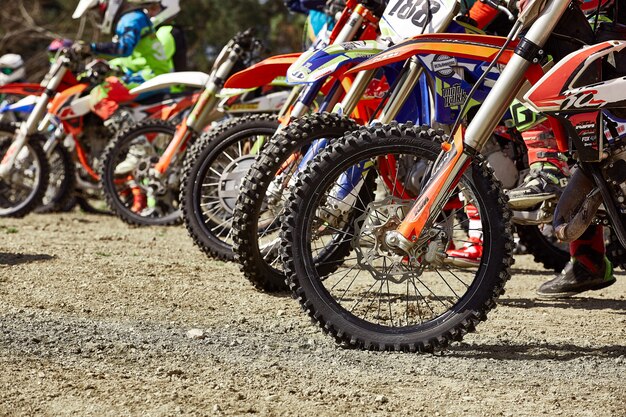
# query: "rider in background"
140,54
171,36
11,69
320,15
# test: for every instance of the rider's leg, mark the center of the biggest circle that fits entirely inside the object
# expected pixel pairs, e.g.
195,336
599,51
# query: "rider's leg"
588,268
548,170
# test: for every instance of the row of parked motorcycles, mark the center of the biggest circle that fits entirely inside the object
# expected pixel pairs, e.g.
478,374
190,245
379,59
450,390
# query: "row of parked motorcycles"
346,173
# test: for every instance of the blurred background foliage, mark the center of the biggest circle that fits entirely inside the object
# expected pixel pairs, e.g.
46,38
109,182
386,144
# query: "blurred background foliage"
28,26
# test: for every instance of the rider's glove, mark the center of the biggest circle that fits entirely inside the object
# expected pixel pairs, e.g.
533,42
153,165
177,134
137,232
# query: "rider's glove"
81,48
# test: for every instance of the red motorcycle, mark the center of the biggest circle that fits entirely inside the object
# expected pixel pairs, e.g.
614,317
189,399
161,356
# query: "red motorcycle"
62,126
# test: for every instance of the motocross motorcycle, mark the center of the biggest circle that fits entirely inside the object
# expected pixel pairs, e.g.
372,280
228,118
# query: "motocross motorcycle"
217,164
62,106
392,285
260,205
141,166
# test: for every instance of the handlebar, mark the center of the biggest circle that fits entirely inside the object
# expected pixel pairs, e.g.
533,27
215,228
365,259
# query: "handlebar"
500,7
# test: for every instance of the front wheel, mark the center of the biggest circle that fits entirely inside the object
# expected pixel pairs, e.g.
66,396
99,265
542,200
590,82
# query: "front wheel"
22,190
260,208
214,169
62,181
541,243
379,299
131,188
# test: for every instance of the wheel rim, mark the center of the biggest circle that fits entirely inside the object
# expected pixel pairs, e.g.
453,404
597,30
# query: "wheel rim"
138,190
221,175
374,284
22,182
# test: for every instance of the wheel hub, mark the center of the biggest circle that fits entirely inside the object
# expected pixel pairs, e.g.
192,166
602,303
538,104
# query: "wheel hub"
230,181
373,252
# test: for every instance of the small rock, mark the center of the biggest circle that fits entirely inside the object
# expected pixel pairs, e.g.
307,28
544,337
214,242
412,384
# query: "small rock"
175,372
280,313
272,397
240,397
216,408
195,334
381,399
620,359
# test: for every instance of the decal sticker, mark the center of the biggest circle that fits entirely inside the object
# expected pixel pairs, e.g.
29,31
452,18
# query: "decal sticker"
415,10
442,65
453,96
586,129
583,99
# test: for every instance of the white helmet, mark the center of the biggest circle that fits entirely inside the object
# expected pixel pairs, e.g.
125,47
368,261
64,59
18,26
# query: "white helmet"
109,10
11,68
170,9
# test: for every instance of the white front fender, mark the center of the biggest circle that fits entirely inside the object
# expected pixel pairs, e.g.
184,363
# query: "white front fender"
193,79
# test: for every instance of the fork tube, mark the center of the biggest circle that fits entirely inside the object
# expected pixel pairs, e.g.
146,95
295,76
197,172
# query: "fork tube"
291,99
29,127
402,91
512,77
348,32
353,96
451,164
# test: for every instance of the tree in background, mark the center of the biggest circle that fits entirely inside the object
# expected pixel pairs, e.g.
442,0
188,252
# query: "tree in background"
28,26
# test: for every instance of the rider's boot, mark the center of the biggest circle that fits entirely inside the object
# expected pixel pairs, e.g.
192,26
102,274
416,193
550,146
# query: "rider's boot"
548,171
588,268
472,250
135,154
139,199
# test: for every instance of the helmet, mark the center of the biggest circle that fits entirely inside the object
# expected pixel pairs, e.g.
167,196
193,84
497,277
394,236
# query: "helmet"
108,9
11,68
170,9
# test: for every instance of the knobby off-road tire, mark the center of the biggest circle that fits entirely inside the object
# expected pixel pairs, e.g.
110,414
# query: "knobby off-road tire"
110,160
544,251
261,268
315,293
615,251
36,173
61,182
207,213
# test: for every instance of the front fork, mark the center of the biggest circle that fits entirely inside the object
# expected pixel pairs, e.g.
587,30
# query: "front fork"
25,130
455,157
31,125
349,183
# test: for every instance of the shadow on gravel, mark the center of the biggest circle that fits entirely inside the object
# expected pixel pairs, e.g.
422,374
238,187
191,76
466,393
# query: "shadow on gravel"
22,258
578,303
535,351
543,272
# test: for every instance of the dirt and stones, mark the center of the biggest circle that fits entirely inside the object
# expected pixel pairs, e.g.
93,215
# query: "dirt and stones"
101,319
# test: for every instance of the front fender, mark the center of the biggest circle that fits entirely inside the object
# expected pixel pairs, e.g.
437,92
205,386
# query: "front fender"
193,79
459,45
262,73
22,89
315,65
24,105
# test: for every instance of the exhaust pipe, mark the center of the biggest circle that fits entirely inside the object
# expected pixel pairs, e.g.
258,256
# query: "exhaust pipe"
577,206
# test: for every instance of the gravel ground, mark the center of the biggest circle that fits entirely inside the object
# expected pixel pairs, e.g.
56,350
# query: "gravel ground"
98,318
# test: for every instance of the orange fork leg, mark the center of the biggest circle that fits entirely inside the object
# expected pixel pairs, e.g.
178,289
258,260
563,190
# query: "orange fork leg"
182,134
454,164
